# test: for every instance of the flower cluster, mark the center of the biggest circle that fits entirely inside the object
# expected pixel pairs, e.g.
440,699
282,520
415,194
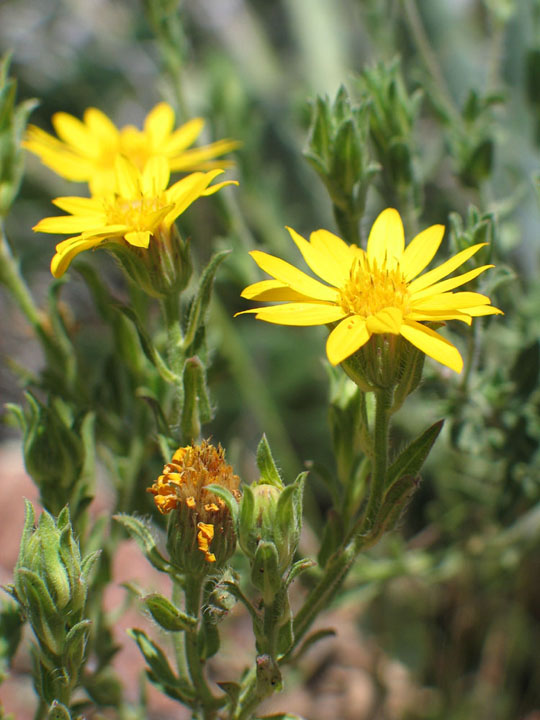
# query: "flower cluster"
202,519
128,173
379,291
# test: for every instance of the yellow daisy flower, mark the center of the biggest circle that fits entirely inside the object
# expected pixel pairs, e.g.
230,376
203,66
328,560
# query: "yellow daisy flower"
371,292
86,151
138,209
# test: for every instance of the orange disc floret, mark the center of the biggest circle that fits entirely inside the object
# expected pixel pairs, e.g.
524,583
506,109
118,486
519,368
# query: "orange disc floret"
201,518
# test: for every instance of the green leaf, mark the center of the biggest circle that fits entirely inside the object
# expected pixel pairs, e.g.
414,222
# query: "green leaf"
267,467
410,461
149,348
167,615
202,299
313,638
144,539
75,647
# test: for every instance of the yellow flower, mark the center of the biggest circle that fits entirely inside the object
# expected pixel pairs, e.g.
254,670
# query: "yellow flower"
377,291
137,209
203,519
87,150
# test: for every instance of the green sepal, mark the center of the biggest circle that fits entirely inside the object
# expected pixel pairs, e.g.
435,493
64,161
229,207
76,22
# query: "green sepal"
412,361
246,521
268,676
159,670
265,571
228,498
144,539
46,622
75,647
196,407
58,711
267,466
298,568
166,615
200,303
410,461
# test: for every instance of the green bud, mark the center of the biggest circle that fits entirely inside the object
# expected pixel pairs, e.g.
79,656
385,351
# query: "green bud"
166,615
51,584
58,711
53,451
270,520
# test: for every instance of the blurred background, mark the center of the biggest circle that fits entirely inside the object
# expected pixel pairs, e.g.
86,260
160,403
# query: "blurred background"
445,613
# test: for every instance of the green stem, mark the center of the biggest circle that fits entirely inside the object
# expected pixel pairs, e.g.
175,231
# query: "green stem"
11,277
380,457
175,354
179,638
208,703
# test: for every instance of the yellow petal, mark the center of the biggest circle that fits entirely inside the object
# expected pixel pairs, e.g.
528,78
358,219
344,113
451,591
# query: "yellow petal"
101,127
159,124
272,291
193,159
155,176
75,133
66,224
80,205
138,238
446,268
322,263
184,136
451,283
334,247
346,339
483,310
127,178
294,278
386,239
300,314
102,181
432,344
388,320
66,251
440,316
421,251
459,301
214,188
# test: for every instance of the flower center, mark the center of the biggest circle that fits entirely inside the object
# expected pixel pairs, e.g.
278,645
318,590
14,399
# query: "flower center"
139,213
370,289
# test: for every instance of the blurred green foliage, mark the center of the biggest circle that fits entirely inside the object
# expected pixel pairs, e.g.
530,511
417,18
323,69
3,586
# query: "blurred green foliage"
447,94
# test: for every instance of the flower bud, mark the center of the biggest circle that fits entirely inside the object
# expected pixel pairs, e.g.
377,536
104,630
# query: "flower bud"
269,529
201,535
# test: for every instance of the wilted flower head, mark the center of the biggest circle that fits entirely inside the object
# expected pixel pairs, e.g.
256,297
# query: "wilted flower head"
201,529
87,150
378,291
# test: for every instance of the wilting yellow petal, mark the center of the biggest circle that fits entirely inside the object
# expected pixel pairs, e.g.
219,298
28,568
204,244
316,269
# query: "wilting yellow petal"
346,339
386,239
432,344
300,314
291,276
446,268
421,251
321,262
388,320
